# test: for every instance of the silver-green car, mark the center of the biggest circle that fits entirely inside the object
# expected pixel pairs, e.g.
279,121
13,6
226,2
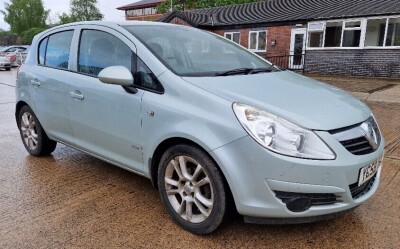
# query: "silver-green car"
216,128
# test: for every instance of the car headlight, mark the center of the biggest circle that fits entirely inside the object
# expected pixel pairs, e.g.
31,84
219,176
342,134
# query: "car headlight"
281,136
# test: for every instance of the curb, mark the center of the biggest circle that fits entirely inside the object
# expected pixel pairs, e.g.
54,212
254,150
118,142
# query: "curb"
391,95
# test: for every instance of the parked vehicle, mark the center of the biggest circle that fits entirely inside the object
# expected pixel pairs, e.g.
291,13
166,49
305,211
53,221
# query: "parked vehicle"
16,54
5,63
215,127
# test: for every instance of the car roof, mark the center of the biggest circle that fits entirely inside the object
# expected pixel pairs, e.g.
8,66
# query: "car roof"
113,24
110,24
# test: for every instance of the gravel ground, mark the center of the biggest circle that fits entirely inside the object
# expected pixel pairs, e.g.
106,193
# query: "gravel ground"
72,200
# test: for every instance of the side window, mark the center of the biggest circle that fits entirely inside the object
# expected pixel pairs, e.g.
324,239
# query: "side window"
42,50
146,79
98,50
58,46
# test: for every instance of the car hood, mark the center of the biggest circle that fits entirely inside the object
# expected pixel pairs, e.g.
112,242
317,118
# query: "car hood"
301,100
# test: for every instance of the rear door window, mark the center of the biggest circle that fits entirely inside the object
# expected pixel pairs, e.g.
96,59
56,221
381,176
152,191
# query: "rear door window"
99,50
58,49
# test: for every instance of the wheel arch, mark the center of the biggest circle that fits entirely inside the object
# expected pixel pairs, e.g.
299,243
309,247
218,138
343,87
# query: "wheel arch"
18,107
166,144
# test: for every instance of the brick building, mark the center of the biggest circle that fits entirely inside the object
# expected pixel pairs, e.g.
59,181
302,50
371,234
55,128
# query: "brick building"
144,10
341,37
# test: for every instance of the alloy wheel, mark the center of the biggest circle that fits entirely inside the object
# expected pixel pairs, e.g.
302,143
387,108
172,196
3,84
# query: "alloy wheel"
189,189
28,130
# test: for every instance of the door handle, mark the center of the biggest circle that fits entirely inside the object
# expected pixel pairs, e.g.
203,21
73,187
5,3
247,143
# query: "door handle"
76,95
35,83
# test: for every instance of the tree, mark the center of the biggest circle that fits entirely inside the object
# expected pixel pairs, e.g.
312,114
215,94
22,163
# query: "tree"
8,38
81,10
65,18
22,15
27,36
197,4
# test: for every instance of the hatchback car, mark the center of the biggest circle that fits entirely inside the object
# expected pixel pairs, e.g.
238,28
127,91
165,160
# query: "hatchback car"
15,54
215,127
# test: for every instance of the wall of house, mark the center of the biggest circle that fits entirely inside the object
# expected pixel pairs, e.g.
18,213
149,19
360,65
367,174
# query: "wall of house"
354,62
281,34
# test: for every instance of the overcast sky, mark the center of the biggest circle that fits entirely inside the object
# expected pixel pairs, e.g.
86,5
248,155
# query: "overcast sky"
107,7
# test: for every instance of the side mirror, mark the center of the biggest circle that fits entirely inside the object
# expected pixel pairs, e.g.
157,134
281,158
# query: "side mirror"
116,75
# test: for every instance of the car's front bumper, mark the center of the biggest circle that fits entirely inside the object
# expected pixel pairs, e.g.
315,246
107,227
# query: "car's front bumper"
5,65
254,174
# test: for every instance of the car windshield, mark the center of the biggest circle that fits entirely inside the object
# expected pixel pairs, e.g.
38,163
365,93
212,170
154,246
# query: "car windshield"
191,52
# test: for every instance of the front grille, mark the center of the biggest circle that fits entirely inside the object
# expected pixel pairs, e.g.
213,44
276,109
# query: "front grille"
358,191
358,146
359,139
316,199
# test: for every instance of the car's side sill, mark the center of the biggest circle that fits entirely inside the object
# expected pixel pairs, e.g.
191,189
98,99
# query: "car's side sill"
101,158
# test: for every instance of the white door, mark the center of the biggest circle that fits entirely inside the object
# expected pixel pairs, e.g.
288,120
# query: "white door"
297,48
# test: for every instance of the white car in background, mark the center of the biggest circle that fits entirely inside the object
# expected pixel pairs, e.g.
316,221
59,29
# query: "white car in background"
15,54
5,63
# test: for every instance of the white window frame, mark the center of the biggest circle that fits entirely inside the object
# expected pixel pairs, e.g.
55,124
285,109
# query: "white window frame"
257,41
363,28
308,31
231,33
361,45
386,31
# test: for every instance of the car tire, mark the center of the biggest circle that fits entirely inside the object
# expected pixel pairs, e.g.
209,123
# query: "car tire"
192,189
8,69
32,134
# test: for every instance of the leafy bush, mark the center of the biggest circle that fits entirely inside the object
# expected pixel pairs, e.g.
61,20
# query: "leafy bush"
8,38
27,36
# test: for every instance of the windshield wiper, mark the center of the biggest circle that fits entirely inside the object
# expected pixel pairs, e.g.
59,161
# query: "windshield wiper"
260,70
244,71
235,71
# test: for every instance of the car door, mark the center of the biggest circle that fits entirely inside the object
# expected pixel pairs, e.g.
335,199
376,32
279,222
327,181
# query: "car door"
49,83
105,119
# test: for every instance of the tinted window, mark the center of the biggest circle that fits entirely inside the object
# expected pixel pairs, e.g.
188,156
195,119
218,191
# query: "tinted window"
42,50
58,46
146,79
99,50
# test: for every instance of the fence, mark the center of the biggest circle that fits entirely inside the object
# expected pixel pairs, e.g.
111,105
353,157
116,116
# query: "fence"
291,62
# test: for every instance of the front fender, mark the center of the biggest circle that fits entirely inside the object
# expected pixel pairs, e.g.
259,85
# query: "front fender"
197,115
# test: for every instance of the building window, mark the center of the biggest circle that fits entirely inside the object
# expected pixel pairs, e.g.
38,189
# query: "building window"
393,32
375,32
367,32
233,36
315,34
141,12
258,41
351,34
333,34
